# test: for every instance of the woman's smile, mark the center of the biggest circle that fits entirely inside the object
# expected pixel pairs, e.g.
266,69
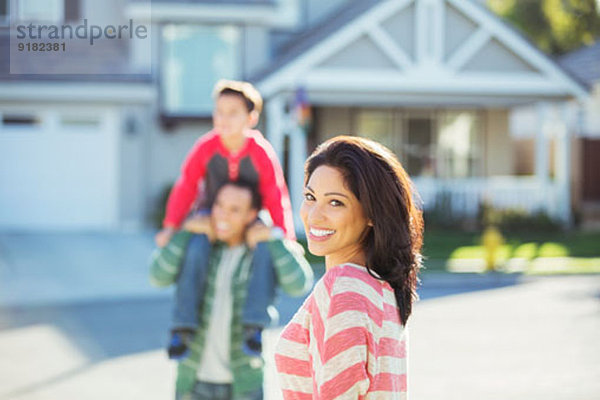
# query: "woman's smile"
320,234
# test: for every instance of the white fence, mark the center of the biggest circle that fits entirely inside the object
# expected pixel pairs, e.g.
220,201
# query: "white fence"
464,196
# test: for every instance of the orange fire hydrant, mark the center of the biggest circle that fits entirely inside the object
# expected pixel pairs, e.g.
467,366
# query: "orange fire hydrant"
492,240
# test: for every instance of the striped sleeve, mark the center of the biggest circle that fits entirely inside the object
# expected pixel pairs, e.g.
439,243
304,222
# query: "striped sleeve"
166,261
294,274
341,328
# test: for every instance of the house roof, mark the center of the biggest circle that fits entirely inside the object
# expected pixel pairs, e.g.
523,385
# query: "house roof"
308,51
218,2
583,63
302,41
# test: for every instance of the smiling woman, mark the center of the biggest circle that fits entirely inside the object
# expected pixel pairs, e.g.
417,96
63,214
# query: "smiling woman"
348,340
333,218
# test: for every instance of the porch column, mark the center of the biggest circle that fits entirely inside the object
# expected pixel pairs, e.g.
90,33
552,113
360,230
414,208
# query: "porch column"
276,124
297,154
542,172
562,164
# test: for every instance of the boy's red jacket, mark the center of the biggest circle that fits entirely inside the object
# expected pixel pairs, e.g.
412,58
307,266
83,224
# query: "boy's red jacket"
209,165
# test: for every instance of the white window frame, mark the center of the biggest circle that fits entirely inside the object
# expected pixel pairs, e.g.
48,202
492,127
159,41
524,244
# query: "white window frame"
164,109
37,127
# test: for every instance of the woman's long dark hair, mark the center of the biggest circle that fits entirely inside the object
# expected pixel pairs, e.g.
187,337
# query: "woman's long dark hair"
376,177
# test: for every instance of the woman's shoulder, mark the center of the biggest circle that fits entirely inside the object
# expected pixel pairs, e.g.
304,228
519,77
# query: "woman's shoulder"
353,278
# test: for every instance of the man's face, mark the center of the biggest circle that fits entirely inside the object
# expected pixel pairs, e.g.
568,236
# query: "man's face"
231,213
231,116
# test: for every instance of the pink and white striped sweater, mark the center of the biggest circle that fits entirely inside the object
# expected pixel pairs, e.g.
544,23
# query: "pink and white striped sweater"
345,342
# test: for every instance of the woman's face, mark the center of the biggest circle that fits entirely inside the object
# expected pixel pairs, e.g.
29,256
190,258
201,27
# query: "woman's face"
333,218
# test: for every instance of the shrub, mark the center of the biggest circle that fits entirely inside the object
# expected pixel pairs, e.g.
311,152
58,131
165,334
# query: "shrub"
159,212
516,220
442,214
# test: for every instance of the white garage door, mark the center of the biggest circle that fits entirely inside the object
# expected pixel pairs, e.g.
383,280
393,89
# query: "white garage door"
58,169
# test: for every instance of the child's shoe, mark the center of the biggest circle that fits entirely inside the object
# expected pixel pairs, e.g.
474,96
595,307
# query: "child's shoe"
252,345
179,344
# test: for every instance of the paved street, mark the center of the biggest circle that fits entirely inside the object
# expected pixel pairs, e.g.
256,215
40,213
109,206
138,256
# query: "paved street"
471,336
533,340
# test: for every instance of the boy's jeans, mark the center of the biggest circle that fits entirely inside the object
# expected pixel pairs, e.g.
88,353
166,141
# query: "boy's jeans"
214,391
190,285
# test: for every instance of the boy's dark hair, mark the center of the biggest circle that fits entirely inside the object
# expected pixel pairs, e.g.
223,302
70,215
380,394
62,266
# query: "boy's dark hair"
256,200
244,90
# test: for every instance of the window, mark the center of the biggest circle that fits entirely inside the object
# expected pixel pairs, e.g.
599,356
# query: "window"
444,144
72,11
418,146
193,59
40,10
51,11
377,125
459,144
4,12
80,122
19,121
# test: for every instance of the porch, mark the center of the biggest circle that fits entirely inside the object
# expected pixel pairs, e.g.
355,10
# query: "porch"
457,157
463,197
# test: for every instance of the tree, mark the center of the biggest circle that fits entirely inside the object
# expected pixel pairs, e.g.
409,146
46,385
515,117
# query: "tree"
555,26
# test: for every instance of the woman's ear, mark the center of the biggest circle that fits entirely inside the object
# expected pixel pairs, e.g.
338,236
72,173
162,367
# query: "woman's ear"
370,223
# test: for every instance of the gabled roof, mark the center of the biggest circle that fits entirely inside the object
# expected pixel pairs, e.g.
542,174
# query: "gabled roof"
584,63
217,2
306,39
434,47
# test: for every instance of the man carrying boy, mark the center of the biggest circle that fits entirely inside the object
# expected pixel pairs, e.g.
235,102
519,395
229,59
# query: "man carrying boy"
217,368
231,151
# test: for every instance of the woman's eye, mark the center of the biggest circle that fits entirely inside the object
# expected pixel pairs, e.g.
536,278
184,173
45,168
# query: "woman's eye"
309,197
336,203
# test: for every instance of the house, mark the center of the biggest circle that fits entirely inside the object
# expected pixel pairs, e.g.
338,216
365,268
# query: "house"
435,80
585,65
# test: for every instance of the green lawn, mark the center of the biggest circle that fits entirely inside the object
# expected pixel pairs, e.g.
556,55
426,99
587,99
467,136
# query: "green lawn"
443,244
536,253
532,253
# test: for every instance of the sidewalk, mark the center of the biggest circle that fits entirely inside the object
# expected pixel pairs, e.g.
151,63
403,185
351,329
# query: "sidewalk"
51,268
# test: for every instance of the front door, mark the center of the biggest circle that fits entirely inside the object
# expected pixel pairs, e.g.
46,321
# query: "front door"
591,170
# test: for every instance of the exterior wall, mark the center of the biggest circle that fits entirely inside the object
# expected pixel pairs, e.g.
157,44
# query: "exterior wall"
498,147
104,12
135,161
458,29
401,28
256,49
332,121
363,53
495,57
591,119
524,121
